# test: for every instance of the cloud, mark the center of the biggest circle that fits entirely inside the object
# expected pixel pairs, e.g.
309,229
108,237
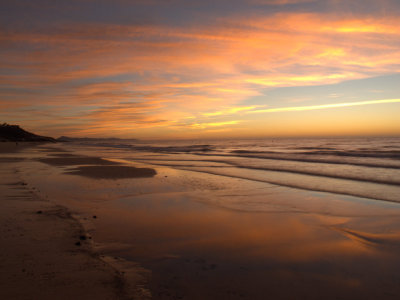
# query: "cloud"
325,106
154,74
229,111
279,2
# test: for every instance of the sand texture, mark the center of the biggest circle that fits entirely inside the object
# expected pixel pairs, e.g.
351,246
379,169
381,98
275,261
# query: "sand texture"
46,254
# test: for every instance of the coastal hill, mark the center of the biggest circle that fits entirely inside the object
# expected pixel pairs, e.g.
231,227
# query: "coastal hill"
14,133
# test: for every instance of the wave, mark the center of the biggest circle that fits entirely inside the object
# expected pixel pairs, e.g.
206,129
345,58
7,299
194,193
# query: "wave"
321,159
354,153
283,157
369,169
320,151
335,186
372,188
376,159
162,149
389,179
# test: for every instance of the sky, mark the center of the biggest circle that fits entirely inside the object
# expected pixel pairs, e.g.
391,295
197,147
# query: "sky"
172,69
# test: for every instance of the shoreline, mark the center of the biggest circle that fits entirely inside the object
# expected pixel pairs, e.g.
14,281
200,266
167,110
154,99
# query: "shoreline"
199,236
47,252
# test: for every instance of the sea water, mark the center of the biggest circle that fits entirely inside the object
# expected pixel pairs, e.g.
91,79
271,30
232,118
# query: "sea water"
367,167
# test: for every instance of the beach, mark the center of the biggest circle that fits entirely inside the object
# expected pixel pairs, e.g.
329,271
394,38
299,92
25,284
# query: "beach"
200,150
45,251
129,221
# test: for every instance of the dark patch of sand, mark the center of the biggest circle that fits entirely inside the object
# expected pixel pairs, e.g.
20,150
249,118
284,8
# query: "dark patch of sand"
112,172
63,155
52,149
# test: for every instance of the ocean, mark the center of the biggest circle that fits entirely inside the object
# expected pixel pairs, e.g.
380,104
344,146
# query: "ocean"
364,167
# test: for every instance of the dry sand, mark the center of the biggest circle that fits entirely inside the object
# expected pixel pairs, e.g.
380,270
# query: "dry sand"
45,253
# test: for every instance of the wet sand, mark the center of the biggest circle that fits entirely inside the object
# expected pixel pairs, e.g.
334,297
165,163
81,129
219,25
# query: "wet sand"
185,235
45,252
96,167
11,147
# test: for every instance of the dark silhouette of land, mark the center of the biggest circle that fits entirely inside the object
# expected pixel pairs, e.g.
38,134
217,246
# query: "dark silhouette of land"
14,133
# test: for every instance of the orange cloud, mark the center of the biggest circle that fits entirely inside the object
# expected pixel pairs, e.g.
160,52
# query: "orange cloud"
230,111
167,74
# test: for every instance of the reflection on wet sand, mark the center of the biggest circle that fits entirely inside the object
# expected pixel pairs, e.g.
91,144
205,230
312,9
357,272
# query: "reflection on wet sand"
198,252
211,237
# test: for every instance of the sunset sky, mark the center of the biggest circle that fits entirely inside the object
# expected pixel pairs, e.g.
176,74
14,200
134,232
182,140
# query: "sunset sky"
201,69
